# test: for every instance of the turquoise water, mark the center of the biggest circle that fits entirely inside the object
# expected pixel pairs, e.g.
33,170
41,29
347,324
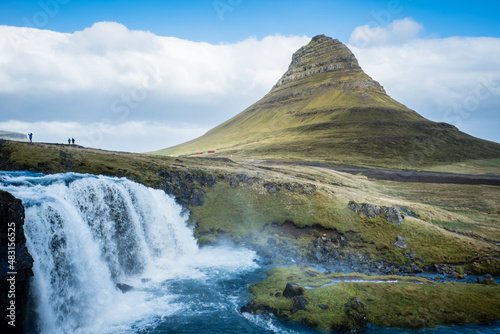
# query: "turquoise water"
88,233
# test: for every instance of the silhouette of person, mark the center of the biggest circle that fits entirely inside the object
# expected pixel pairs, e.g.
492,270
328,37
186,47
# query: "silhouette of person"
30,135
69,141
73,141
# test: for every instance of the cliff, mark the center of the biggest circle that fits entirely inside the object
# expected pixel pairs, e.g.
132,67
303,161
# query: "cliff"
12,234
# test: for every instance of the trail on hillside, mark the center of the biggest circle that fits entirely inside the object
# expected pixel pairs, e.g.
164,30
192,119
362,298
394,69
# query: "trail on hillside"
402,175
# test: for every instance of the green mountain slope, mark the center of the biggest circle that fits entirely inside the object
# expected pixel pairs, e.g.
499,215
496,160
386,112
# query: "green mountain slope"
326,109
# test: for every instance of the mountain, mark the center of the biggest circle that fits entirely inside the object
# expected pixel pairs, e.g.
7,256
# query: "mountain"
326,109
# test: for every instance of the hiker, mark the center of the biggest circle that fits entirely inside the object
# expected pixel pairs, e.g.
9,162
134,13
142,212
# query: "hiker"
30,135
69,141
73,140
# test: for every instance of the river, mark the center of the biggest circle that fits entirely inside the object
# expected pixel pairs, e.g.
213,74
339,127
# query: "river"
88,234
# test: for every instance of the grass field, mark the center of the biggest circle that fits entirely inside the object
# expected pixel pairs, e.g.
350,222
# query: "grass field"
456,224
405,302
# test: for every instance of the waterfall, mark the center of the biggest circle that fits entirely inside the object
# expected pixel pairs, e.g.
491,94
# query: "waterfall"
87,233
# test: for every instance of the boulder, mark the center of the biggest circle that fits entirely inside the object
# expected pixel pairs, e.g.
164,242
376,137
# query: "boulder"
272,188
293,290
233,182
486,280
299,303
355,206
124,288
373,211
400,242
393,216
415,268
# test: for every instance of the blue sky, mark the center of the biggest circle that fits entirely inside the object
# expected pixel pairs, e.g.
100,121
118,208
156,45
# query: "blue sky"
79,71
200,20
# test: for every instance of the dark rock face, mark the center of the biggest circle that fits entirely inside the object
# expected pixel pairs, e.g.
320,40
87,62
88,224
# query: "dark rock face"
182,185
299,303
252,308
124,288
486,280
310,60
246,179
272,188
293,290
391,214
233,182
188,188
12,216
357,313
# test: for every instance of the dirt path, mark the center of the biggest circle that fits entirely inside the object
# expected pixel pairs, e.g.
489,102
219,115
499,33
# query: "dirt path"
407,176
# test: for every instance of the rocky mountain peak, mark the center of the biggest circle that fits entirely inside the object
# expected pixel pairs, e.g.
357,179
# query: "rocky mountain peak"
322,54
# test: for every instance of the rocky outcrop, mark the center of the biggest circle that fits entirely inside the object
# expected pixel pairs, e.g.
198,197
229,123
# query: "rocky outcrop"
293,290
357,314
486,280
400,242
299,303
391,214
16,266
323,54
394,216
124,288
186,187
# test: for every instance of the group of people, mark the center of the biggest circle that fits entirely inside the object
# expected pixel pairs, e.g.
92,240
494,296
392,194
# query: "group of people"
70,140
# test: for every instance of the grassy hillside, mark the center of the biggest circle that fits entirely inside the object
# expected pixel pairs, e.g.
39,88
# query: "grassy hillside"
389,301
288,203
290,210
326,109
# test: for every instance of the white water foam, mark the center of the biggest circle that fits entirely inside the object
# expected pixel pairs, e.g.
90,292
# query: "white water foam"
88,233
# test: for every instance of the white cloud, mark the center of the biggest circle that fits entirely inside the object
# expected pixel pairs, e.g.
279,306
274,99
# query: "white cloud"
398,31
108,57
113,88
128,136
108,74
454,80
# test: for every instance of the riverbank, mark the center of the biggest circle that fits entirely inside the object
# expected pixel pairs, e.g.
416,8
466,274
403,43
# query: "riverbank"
302,213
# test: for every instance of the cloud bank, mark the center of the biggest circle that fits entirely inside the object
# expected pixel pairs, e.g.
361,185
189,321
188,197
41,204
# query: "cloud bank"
109,77
454,80
113,88
398,31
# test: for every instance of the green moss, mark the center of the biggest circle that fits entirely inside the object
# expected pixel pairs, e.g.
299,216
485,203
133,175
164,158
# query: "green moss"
452,228
248,208
410,303
207,240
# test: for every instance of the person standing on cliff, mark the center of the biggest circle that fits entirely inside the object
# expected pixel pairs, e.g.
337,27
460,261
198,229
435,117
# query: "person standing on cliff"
30,135
73,141
69,141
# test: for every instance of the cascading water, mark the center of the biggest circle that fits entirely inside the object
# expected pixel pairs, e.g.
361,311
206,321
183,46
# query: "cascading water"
88,233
